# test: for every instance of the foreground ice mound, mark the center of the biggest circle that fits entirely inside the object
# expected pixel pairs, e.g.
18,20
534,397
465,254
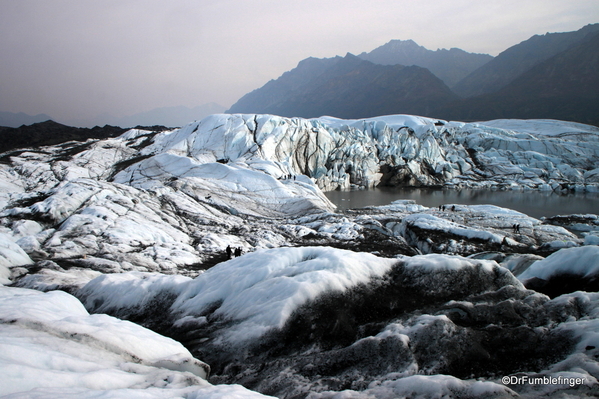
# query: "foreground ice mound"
50,347
322,322
567,270
262,290
253,294
293,321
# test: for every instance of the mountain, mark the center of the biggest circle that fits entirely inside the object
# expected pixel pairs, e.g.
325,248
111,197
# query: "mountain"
10,119
347,87
277,91
565,86
450,66
518,59
551,76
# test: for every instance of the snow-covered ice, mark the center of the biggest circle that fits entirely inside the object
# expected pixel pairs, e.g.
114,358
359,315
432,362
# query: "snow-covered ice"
339,153
169,201
51,347
582,261
258,292
264,288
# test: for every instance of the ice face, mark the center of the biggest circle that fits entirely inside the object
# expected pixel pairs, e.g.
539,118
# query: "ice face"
339,153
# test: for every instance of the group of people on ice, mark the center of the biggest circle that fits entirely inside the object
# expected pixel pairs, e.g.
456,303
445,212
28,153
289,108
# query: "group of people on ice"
288,176
230,252
442,208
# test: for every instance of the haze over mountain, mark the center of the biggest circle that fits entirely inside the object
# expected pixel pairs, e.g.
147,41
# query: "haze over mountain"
164,116
175,116
547,76
11,119
450,66
350,88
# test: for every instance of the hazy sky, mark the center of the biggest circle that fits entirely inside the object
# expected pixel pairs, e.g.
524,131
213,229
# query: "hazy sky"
80,58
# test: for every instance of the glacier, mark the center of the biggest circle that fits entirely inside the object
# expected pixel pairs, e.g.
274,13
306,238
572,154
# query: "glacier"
412,150
388,301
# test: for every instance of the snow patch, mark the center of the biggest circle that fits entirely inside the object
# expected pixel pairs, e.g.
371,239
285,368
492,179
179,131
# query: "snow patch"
50,347
581,261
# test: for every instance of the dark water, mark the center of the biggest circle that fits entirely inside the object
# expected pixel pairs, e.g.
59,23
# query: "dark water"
532,203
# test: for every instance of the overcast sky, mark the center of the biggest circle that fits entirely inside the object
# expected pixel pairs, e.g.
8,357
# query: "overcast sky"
80,58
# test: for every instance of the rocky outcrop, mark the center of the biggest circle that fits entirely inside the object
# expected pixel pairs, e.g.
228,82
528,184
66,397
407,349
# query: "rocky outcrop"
50,133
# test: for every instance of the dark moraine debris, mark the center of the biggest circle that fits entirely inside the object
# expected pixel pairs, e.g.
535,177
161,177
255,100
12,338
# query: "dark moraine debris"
52,133
475,322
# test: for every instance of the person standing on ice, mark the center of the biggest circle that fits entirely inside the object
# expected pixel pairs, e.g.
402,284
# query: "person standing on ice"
229,252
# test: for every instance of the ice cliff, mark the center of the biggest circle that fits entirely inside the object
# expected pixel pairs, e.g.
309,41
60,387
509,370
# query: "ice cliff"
397,150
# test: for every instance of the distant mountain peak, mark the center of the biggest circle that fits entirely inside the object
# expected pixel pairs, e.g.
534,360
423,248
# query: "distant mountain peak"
347,87
397,77
450,66
11,119
48,122
395,46
405,43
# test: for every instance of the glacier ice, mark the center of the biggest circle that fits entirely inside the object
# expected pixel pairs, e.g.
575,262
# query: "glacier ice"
51,347
425,303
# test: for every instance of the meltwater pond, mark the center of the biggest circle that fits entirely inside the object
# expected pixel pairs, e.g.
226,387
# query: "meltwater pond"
533,203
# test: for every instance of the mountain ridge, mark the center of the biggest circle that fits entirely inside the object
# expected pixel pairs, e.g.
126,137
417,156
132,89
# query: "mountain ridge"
518,59
174,116
310,91
347,87
50,133
565,86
